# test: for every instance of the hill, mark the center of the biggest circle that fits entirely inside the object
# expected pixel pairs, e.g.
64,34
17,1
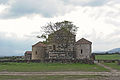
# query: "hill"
115,50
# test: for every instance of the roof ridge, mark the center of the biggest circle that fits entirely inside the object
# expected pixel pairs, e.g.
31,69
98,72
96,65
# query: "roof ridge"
83,41
39,44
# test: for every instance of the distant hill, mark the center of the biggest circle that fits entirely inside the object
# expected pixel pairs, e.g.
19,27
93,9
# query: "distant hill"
114,50
98,52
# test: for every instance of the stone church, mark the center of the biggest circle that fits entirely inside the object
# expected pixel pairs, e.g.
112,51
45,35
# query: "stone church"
62,45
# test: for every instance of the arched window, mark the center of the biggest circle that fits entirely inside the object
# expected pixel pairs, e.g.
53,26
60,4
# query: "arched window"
36,52
81,51
54,47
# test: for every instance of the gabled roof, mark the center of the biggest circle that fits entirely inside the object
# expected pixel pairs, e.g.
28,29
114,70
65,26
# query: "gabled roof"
83,41
39,44
28,52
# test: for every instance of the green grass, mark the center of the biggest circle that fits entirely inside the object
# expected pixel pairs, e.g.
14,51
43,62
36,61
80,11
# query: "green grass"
113,65
55,77
43,67
107,57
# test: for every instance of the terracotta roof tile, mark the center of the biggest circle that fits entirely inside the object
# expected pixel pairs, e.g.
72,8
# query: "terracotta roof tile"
39,44
83,41
28,52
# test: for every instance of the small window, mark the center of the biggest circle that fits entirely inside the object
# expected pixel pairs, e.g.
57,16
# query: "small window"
54,47
81,51
69,49
36,52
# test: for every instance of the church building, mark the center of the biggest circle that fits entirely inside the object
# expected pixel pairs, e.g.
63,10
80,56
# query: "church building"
62,45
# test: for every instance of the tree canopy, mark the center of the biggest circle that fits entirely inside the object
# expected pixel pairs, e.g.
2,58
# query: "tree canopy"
53,27
63,33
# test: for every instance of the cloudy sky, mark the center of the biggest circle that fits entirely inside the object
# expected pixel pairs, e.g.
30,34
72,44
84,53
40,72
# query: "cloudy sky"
20,22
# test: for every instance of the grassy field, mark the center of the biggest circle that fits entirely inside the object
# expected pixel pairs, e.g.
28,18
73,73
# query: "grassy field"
43,67
71,77
107,57
113,65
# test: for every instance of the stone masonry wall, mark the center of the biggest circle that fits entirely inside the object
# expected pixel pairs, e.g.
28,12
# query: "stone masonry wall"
83,51
38,53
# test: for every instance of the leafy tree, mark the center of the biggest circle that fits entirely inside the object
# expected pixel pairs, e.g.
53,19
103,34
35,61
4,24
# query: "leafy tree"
53,27
61,33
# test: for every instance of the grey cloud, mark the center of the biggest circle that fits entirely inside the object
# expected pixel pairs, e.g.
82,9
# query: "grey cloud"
47,8
98,3
33,35
12,46
3,1
112,17
103,42
114,36
116,23
86,2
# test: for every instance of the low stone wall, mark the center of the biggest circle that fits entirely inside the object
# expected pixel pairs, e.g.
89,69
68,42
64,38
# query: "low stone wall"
82,61
108,61
85,61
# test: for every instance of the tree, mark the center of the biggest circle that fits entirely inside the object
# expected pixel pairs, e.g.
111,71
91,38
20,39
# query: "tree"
53,27
60,36
60,33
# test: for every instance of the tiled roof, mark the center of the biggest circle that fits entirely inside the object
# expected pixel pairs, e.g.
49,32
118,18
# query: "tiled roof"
39,44
28,52
83,41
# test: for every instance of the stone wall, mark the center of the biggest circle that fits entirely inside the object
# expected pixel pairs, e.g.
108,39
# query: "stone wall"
83,51
28,56
38,53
